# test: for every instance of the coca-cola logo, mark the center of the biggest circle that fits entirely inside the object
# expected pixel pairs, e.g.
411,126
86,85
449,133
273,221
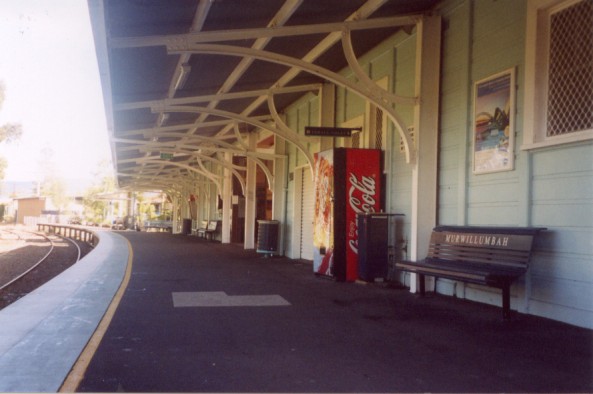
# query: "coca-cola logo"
362,197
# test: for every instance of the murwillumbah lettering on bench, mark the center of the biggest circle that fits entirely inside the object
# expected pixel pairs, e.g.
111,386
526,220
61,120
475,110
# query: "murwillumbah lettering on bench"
482,240
485,240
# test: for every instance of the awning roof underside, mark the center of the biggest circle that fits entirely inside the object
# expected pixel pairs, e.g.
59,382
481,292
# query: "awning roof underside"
188,77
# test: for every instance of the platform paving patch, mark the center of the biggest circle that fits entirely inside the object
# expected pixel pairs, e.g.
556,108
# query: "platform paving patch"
221,299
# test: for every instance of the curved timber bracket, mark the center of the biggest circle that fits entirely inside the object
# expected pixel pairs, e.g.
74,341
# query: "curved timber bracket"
284,127
285,134
380,95
361,88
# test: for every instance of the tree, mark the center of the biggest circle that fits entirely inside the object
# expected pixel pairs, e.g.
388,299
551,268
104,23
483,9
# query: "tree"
52,186
3,165
95,207
9,132
146,210
55,189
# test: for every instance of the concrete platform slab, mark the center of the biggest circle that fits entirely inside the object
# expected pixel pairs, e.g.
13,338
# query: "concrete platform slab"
333,337
43,333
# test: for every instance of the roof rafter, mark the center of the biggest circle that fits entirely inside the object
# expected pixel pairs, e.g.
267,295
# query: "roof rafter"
172,128
269,32
293,138
213,177
218,97
228,134
225,146
326,43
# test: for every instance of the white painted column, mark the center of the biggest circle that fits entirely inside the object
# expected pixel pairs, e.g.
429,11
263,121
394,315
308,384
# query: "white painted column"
184,206
279,190
175,213
295,238
250,185
185,203
227,201
129,203
426,122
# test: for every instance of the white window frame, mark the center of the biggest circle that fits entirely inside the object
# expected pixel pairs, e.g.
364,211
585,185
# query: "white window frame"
536,68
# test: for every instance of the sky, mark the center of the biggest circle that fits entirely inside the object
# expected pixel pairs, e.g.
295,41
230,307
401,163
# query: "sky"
49,70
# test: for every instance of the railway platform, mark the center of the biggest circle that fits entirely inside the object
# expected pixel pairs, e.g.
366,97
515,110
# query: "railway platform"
199,316
42,334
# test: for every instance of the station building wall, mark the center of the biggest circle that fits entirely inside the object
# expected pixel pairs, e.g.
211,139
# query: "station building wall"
549,187
297,119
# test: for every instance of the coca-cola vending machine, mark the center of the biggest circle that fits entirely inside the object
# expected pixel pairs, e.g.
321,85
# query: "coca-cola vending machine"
347,182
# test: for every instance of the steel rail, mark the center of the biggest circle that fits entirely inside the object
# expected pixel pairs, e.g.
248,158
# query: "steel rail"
73,242
21,275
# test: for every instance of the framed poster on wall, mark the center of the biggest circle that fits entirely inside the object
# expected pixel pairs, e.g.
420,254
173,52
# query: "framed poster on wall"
493,131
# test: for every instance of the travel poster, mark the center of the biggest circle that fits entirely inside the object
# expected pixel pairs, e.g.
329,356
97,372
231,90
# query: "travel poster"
493,134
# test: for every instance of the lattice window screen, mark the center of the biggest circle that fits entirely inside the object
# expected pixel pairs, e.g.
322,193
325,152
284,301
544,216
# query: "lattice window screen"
379,129
570,94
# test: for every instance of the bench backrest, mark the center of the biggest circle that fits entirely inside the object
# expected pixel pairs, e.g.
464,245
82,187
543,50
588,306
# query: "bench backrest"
510,249
203,224
213,225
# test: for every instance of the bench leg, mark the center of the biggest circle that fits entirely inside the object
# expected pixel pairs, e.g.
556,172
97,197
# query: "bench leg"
422,284
506,302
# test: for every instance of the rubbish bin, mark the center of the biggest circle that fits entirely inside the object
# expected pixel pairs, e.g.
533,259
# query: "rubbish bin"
373,232
186,227
267,236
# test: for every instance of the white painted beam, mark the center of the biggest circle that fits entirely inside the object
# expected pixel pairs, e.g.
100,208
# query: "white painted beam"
218,97
267,32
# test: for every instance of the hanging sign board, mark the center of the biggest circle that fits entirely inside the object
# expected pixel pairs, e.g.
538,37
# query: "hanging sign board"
166,156
330,131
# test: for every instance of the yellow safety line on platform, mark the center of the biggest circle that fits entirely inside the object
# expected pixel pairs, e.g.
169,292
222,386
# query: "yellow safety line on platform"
78,370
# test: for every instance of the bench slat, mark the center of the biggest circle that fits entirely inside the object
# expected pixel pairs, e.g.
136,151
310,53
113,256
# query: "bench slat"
483,271
506,257
436,271
475,266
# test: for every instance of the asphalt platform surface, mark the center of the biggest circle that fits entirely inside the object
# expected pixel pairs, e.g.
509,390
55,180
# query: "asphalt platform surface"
200,316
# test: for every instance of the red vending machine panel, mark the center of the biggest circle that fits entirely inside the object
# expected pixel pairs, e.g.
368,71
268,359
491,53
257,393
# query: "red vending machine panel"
347,182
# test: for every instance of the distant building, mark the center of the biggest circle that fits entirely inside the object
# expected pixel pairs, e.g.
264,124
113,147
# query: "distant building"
30,206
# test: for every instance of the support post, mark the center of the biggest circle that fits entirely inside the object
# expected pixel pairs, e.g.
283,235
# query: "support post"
426,122
280,189
227,201
506,301
250,186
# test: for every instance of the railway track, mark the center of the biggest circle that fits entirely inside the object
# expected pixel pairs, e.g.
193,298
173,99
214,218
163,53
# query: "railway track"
29,259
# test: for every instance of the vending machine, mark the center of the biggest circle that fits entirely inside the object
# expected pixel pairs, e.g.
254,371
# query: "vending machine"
347,182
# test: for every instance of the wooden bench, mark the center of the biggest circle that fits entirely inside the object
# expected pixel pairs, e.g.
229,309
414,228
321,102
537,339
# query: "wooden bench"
491,256
158,225
201,230
211,229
